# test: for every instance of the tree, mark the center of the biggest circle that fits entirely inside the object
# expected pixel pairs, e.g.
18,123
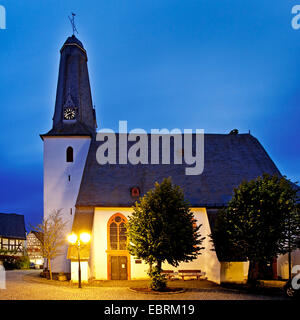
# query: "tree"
260,222
51,234
163,228
225,250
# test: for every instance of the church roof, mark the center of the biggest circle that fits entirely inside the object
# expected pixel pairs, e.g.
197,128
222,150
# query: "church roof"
12,226
70,129
73,40
73,91
228,160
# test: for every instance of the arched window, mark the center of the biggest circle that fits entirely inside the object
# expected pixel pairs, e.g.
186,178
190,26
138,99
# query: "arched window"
135,192
117,239
69,154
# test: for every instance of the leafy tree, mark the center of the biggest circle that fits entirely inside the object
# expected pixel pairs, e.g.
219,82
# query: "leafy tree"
162,228
260,222
51,234
222,241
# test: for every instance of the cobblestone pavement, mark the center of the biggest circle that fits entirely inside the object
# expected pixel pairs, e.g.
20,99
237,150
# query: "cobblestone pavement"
20,287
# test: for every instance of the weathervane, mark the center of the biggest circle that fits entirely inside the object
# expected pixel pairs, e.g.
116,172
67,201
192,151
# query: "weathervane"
73,23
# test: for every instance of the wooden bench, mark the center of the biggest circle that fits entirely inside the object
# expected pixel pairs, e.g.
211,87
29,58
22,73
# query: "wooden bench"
190,273
168,273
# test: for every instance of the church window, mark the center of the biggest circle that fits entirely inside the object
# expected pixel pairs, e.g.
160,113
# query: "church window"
118,218
135,191
117,239
69,154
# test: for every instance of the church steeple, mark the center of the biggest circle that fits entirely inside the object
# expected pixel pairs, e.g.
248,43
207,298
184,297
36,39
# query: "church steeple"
74,113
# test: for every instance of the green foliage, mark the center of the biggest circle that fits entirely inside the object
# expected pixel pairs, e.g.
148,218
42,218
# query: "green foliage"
8,252
225,250
260,222
162,227
15,262
158,280
23,262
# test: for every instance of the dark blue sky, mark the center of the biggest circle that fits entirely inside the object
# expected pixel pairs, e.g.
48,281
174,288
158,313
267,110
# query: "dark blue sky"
211,64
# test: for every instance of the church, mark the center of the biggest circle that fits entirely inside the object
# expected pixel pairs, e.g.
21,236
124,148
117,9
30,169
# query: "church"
98,198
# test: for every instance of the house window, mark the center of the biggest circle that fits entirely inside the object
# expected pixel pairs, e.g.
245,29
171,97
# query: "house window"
117,239
69,154
11,244
4,244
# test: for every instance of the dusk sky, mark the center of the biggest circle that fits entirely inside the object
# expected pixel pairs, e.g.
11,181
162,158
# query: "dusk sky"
208,64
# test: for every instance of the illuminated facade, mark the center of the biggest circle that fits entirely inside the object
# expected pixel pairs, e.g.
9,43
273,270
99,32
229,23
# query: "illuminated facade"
34,249
98,198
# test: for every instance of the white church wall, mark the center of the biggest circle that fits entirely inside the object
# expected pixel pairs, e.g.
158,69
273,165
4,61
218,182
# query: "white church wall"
139,271
207,262
99,246
234,272
92,254
59,192
85,271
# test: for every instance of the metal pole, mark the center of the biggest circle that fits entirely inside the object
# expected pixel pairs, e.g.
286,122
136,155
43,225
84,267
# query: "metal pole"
79,268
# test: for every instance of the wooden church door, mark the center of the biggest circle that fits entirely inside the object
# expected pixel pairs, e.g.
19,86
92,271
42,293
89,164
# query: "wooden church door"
118,267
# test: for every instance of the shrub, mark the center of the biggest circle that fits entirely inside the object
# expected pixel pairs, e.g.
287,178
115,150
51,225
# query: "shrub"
23,262
8,262
15,262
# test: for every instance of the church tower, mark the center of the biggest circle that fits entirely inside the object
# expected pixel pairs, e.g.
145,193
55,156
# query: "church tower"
66,145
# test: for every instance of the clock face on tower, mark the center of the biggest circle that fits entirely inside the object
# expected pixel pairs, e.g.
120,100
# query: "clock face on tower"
69,113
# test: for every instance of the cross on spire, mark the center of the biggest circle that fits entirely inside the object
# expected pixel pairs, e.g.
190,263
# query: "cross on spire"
73,23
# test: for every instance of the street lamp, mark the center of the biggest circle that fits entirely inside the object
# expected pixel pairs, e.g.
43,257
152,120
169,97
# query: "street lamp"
77,241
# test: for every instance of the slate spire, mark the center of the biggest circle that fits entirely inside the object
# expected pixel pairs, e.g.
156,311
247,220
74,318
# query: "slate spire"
74,113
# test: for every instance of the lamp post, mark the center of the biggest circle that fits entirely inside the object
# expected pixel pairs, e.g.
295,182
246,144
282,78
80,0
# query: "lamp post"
77,241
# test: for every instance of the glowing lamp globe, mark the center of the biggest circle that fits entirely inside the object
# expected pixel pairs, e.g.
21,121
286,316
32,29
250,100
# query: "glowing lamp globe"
85,237
72,238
